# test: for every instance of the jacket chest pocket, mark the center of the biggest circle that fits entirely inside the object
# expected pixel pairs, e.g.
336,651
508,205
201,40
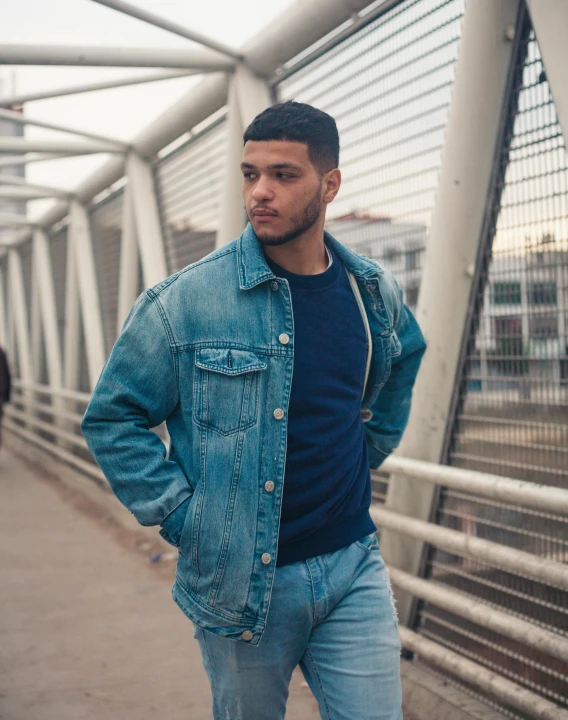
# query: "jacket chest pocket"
226,389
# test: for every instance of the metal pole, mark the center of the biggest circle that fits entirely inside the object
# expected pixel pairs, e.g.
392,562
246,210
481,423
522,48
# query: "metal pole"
28,193
88,291
3,328
13,220
18,307
487,681
147,218
17,160
470,607
35,328
21,119
301,25
15,100
78,147
550,23
481,80
248,96
72,320
518,492
85,56
43,278
170,26
128,281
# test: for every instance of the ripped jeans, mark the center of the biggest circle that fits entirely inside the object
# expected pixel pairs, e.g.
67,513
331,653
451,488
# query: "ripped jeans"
333,615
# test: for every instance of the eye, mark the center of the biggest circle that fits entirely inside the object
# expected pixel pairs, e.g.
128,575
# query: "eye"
284,176
248,175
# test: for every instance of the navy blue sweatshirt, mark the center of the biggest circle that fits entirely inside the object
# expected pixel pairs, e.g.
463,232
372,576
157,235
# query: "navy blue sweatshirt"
327,482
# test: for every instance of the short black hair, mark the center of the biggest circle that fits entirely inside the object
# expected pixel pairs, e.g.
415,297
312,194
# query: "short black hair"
299,122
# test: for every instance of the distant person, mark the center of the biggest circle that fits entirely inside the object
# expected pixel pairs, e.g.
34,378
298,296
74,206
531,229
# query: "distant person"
5,386
283,364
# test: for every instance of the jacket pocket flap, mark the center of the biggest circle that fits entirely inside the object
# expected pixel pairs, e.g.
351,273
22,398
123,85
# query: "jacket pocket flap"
228,360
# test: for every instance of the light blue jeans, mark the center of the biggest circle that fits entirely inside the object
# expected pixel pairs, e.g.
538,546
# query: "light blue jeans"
334,616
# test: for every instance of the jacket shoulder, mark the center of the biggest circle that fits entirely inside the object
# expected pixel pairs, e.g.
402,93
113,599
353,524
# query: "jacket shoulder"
216,262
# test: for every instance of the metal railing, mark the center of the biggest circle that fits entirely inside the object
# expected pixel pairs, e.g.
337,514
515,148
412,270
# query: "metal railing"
49,418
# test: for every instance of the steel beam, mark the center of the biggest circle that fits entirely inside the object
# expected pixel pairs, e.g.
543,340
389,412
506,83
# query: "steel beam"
91,56
80,234
28,193
480,677
248,96
18,307
170,26
3,308
15,100
147,219
72,320
78,147
301,25
17,160
472,136
128,280
21,119
43,279
13,220
550,23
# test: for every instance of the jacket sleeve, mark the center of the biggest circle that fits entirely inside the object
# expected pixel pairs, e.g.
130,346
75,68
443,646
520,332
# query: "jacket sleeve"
137,390
391,409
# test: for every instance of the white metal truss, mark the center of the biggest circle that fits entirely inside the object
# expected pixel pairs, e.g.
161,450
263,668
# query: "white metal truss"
471,139
72,320
172,27
129,260
43,279
248,96
3,327
80,238
85,56
147,219
18,309
20,119
14,100
550,23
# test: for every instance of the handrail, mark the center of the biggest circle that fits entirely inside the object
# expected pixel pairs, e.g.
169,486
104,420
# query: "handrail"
51,390
496,487
512,560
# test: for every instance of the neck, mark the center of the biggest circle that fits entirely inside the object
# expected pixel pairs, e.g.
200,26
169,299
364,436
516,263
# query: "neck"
305,255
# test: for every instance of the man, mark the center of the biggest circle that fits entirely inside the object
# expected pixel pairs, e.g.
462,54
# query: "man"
283,364
5,386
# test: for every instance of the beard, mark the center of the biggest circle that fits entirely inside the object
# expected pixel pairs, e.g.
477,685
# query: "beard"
301,223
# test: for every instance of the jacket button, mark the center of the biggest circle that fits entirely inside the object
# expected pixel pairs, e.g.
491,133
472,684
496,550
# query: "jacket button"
284,338
247,635
366,414
278,413
269,486
274,285
266,559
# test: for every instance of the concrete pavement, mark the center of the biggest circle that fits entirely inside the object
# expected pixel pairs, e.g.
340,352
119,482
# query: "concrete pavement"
88,628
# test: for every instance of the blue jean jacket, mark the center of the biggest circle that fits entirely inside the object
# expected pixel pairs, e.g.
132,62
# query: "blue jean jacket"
202,351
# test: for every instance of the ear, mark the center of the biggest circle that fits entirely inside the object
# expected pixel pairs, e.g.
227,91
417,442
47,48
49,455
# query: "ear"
331,183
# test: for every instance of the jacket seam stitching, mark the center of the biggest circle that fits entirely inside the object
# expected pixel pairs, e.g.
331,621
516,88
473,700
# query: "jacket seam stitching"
171,342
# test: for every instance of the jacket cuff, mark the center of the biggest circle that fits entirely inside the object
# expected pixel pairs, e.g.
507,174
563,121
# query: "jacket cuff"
376,458
172,524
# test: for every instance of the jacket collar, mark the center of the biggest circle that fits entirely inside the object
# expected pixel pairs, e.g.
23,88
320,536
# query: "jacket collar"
253,268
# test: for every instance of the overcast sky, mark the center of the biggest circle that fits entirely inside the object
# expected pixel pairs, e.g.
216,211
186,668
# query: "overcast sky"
119,112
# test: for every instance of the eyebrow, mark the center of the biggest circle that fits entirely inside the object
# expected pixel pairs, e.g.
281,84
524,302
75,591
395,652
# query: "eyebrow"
277,166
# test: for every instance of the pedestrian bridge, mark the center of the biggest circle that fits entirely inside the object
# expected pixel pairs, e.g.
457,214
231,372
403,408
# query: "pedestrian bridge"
453,120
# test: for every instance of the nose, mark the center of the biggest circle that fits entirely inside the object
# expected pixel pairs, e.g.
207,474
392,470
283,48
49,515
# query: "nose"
262,190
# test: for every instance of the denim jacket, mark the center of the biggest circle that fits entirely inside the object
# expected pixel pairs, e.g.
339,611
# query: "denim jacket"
210,350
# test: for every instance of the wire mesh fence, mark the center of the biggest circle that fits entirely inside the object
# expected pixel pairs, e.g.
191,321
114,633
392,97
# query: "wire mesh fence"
512,416
189,183
388,86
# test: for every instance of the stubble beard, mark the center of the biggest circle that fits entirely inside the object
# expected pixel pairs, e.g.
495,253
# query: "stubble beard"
301,223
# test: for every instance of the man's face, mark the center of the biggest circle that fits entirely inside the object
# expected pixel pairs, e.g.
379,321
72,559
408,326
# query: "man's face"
282,191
